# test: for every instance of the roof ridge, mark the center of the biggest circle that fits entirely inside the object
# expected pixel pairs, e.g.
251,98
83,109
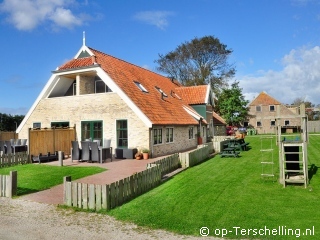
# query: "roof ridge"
126,62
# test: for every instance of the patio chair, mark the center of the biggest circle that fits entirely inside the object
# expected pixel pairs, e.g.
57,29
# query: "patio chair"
85,150
1,147
97,141
8,148
107,143
95,152
75,151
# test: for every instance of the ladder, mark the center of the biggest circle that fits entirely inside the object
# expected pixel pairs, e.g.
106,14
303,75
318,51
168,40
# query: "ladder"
294,162
266,152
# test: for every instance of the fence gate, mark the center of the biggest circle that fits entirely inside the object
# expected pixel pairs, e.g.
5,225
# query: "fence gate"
50,140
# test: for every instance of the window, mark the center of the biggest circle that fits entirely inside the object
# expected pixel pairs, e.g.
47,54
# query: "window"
286,123
259,124
162,92
169,135
140,86
157,136
191,136
101,87
272,108
91,130
245,124
60,124
36,125
273,123
258,108
122,134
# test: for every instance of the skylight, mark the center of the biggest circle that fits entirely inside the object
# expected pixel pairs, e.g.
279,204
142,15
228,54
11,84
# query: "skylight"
162,92
140,86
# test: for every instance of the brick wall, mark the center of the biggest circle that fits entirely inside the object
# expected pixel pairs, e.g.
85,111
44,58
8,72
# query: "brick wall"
107,107
265,116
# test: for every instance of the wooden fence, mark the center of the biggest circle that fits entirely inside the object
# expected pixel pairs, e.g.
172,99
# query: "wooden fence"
7,160
97,197
4,136
8,184
167,164
217,140
50,140
191,158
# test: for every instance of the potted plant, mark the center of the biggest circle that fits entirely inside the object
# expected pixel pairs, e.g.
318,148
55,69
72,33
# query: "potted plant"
138,155
199,138
145,153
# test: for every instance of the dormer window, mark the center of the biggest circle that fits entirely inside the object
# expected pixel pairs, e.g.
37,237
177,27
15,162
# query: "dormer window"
140,86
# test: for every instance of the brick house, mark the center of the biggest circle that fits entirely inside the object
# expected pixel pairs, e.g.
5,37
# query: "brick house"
263,114
107,98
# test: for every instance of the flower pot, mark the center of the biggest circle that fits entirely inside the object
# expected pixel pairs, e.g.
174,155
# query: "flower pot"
145,155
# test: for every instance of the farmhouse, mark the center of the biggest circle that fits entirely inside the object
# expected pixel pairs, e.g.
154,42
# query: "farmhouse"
263,114
104,97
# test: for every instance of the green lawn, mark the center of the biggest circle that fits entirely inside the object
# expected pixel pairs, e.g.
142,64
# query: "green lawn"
37,177
229,193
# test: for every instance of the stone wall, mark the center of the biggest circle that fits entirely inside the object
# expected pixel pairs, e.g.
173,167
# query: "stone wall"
181,141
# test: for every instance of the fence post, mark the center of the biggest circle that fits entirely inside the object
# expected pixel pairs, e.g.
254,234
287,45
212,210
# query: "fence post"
65,180
60,158
14,183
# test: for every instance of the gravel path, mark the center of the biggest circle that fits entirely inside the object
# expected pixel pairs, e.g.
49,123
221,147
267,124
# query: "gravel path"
23,219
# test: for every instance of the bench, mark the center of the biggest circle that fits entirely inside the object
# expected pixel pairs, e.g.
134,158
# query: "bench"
49,157
229,152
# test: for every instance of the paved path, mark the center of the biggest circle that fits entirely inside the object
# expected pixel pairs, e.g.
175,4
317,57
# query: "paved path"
117,170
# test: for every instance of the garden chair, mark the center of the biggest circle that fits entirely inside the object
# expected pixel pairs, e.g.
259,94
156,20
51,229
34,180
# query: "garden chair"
85,150
95,152
75,151
8,149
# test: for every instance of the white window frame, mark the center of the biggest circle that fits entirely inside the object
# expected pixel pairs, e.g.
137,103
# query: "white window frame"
191,135
168,139
274,108
156,139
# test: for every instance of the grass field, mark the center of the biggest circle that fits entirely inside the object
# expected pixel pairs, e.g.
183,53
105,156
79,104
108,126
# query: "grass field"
37,177
228,195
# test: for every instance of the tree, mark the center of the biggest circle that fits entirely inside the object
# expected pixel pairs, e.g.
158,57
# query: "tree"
9,122
200,61
298,101
231,105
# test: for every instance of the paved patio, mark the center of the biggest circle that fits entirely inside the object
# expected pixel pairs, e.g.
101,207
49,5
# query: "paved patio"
117,170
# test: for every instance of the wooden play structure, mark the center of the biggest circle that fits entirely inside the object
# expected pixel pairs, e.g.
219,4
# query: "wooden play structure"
293,155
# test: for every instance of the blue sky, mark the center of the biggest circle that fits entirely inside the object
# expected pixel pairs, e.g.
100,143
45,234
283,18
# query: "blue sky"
276,43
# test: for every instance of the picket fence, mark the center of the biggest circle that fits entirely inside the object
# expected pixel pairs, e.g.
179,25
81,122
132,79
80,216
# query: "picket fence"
8,184
167,164
189,159
98,197
11,159
109,196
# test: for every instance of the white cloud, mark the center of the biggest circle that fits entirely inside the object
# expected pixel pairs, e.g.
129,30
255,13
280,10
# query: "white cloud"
28,14
300,77
157,18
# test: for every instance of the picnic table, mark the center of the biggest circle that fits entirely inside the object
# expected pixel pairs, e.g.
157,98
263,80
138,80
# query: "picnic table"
229,152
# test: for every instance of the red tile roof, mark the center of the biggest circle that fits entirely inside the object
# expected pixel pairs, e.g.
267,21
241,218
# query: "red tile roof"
77,63
217,119
264,99
194,94
160,110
